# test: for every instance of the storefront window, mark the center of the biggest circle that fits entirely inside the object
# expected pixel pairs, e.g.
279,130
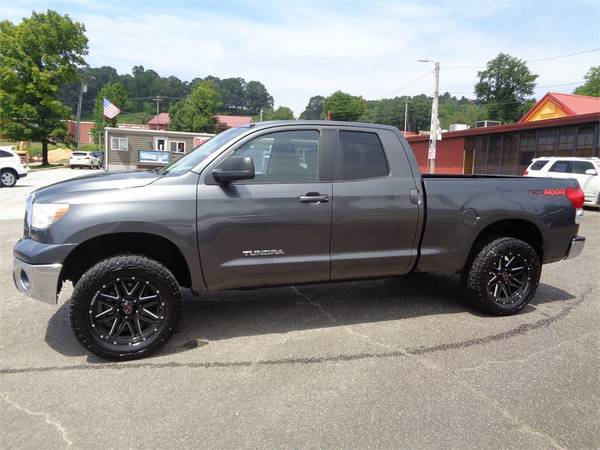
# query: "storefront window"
585,137
480,165
526,149
546,142
566,141
494,154
510,154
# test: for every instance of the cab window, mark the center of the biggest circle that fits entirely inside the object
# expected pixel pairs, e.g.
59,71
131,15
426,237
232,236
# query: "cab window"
284,157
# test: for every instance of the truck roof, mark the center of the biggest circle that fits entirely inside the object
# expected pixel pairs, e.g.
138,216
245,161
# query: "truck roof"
331,123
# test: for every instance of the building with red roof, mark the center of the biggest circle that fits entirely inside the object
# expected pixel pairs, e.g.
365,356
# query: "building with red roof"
557,125
160,122
554,105
223,122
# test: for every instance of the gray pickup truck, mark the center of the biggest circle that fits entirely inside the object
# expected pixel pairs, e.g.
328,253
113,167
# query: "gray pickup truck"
282,203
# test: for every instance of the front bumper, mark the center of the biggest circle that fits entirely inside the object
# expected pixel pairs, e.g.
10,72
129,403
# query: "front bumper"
39,281
576,247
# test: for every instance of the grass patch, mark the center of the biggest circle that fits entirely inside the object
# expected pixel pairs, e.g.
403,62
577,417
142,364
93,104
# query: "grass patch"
134,117
35,148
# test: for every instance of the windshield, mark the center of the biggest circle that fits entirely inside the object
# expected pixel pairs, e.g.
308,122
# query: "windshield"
200,153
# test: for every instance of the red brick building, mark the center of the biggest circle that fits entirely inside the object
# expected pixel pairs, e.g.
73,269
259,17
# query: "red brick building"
557,125
85,131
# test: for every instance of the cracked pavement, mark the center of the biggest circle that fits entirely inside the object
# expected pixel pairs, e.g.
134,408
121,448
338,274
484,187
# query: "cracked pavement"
387,363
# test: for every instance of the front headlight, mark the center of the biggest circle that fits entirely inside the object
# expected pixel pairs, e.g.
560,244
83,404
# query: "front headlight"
45,214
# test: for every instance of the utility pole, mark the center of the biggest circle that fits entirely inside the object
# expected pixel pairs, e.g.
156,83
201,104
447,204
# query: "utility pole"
434,129
82,90
158,99
405,115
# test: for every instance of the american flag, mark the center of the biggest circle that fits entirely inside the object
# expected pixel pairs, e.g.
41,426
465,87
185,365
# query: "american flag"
110,110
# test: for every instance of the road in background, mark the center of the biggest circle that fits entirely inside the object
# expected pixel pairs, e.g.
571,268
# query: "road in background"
388,363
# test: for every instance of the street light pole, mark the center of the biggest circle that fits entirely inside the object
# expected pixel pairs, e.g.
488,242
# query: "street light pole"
405,115
82,89
434,128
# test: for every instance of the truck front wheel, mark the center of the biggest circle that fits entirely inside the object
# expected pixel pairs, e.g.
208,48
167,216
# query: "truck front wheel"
125,307
503,276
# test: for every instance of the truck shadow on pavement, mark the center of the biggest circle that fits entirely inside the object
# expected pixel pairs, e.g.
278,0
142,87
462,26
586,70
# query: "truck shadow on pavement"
226,315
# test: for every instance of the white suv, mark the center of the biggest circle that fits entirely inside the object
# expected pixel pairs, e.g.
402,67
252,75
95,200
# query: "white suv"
11,168
85,159
584,170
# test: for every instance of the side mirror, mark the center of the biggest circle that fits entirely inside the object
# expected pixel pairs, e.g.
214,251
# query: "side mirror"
591,172
234,168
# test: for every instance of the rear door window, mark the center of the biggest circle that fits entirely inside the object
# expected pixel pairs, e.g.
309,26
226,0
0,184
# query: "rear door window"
538,165
562,167
362,156
4,154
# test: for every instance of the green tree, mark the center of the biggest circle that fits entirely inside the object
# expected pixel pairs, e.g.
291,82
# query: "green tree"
592,83
117,95
38,56
281,113
196,111
344,106
314,109
257,97
504,87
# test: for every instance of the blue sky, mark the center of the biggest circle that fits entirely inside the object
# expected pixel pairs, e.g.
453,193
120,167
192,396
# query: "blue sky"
304,48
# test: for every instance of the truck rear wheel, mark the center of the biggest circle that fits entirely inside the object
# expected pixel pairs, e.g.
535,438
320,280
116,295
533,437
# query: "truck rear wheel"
125,307
503,276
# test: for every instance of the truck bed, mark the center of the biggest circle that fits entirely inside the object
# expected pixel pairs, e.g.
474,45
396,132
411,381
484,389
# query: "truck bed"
458,208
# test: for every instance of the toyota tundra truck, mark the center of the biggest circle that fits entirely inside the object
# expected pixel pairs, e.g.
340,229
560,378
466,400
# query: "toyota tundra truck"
282,203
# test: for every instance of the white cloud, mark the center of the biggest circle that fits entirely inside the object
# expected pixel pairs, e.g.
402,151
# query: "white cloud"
302,49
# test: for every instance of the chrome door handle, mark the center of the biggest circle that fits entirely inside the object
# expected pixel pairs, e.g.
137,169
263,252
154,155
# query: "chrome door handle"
314,197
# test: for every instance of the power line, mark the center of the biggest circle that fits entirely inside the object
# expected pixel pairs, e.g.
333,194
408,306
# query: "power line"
408,84
547,58
570,83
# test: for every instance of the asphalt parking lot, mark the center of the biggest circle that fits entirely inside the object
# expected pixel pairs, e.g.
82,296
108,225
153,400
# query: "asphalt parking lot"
395,363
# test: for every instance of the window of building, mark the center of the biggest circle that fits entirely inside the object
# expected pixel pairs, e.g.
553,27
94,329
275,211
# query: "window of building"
118,143
480,165
510,154
362,156
526,149
284,157
494,154
160,144
585,138
177,146
546,142
566,141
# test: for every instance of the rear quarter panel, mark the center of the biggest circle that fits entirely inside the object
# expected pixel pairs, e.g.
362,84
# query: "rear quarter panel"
448,235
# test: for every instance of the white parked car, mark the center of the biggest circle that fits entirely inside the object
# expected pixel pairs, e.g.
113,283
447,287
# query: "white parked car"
584,170
11,168
85,159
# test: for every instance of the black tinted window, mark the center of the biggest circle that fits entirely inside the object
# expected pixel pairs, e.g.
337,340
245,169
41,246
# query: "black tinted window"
538,165
581,166
4,154
284,157
561,166
362,156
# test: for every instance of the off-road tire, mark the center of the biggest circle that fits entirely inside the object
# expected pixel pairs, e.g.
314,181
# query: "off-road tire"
106,272
482,268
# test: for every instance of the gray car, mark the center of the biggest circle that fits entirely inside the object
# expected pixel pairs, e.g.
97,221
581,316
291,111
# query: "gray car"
282,203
